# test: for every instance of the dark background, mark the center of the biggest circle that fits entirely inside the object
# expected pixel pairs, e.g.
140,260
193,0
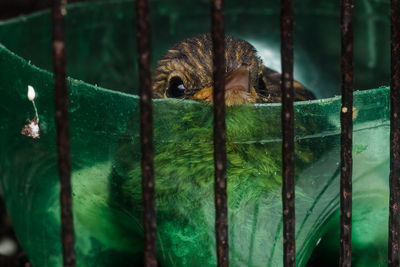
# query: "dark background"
13,8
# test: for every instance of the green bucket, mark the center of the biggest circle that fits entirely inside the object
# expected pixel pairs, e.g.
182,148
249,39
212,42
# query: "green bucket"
104,126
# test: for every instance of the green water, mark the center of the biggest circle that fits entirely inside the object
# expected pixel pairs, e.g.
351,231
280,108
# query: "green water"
105,141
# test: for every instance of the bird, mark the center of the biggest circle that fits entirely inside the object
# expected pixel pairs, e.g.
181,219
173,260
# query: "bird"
186,72
183,158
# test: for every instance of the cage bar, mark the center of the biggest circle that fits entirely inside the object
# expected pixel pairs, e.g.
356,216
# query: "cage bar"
288,209
346,145
63,138
221,216
394,178
146,131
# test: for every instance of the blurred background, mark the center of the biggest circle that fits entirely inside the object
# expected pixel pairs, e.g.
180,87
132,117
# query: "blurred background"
13,8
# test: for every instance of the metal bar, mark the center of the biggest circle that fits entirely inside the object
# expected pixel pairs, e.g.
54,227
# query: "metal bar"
146,131
394,178
221,208
62,125
346,119
288,209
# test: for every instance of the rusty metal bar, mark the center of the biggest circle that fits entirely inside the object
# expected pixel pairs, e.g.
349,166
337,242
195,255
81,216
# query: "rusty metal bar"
221,216
394,178
289,247
62,125
346,119
146,131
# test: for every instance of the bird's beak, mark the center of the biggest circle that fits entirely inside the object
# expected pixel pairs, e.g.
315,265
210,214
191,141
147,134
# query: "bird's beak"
238,79
237,88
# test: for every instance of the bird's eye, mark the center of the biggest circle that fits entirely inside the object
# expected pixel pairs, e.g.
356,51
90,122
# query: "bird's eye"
176,88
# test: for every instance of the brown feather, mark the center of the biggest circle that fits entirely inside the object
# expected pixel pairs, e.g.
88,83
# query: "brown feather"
191,61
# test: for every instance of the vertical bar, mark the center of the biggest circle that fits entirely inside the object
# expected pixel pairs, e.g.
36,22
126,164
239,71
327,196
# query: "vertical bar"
221,218
394,178
289,247
346,119
62,125
146,131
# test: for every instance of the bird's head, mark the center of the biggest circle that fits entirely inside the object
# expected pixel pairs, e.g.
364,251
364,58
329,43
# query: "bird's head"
186,72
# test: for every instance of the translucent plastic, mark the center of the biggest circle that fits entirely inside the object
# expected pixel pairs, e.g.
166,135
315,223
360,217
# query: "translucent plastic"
106,149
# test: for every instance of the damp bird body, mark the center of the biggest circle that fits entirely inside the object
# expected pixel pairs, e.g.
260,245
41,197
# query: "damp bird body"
186,72
184,159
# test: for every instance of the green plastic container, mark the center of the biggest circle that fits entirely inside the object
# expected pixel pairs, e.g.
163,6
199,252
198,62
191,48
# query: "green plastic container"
101,53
